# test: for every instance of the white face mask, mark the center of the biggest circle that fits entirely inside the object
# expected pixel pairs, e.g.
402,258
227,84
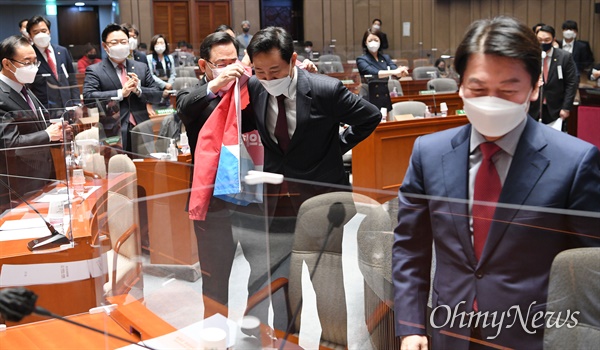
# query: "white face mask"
133,44
373,46
118,52
42,39
492,116
279,86
376,27
569,34
159,49
25,75
307,49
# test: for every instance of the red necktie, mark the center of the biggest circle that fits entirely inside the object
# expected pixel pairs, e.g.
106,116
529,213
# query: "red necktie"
281,127
29,102
487,189
123,79
51,63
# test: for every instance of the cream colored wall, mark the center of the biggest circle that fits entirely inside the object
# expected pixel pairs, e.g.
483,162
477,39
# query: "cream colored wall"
138,12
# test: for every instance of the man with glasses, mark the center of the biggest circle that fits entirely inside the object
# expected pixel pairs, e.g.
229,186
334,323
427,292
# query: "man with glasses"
55,84
218,57
125,79
22,123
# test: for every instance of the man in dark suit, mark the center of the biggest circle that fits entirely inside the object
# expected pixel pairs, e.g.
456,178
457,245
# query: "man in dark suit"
134,53
560,80
492,197
22,124
581,51
55,84
376,28
303,142
125,79
194,105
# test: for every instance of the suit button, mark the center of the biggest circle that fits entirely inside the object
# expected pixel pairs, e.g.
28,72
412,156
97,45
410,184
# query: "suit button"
479,274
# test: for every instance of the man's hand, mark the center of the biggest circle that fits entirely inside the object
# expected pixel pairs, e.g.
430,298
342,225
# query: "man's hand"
564,114
229,74
131,85
150,110
309,66
596,73
414,342
55,132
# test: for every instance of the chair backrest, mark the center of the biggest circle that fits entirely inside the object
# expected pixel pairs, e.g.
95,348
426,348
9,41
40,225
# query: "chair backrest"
92,133
185,71
402,62
328,281
425,73
421,62
416,108
119,164
379,93
93,163
142,137
575,286
331,67
125,256
442,85
185,82
170,128
330,58
393,83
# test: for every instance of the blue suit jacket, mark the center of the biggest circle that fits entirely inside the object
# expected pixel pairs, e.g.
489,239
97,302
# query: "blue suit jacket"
54,93
549,170
101,82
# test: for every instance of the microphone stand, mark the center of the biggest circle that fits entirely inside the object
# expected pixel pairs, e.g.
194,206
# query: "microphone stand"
56,239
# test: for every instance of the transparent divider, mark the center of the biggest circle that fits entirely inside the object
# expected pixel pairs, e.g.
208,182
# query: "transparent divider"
309,264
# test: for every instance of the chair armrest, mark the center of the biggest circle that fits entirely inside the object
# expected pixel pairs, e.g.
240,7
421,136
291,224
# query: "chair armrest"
264,293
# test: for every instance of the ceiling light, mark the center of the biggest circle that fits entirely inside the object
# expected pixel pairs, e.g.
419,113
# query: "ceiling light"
80,3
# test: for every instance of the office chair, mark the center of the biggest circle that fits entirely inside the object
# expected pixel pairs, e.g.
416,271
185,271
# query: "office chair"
330,67
442,85
124,263
416,108
143,136
330,58
425,73
574,285
421,62
185,71
185,82
328,280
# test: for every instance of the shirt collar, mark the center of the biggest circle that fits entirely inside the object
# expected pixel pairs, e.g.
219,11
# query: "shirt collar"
13,84
566,43
508,142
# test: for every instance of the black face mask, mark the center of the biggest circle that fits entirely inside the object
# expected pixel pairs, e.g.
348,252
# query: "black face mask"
246,30
441,69
92,56
546,47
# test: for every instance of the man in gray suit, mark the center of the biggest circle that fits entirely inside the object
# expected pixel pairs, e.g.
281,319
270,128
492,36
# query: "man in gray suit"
22,123
244,39
128,80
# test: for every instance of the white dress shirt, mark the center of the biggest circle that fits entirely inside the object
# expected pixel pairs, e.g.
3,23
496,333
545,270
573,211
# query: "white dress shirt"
290,109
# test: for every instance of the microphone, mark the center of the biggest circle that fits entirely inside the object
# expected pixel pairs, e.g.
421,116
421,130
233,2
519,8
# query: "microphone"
336,216
56,239
16,303
541,92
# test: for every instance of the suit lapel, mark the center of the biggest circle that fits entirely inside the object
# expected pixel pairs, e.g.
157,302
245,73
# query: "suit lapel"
260,110
303,101
15,96
526,168
553,64
111,72
455,167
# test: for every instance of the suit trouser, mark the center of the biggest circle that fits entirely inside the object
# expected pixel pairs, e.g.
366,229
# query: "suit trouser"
216,250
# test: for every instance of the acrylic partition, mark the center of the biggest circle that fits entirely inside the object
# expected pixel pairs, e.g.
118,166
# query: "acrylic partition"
297,264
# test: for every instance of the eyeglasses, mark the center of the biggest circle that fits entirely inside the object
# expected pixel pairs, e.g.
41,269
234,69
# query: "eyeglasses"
116,42
35,63
221,65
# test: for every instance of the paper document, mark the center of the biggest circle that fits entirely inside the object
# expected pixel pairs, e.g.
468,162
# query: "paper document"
60,194
23,229
557,124
189,337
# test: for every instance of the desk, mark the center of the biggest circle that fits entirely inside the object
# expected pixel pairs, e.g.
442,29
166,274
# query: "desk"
380,161
70,297
453,101
171,232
